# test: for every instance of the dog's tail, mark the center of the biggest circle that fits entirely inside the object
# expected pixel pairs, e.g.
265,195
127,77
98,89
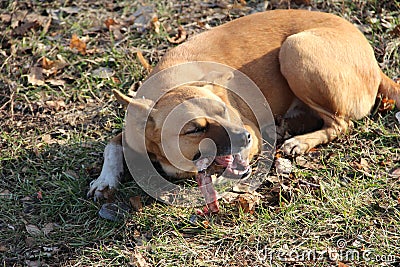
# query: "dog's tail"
390,89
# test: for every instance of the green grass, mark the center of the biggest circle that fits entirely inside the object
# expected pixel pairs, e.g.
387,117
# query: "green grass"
48,156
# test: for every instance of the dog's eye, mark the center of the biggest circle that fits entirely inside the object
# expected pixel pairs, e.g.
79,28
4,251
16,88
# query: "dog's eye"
196,130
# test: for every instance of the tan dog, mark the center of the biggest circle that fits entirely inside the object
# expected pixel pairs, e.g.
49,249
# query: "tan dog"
311,67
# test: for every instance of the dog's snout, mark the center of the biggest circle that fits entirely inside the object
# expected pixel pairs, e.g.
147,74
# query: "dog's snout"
241,139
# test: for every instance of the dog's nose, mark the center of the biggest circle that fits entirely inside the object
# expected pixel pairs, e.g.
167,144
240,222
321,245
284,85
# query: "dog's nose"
241,139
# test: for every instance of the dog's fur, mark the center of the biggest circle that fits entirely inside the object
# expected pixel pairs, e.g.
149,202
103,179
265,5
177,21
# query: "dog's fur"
310,66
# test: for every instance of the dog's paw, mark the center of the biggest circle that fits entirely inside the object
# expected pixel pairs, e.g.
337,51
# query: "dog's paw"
294,146
103,187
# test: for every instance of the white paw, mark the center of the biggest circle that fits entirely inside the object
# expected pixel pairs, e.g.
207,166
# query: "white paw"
102,186
113,168
293,146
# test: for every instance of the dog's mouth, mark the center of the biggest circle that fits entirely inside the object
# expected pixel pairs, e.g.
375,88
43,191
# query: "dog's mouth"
231,166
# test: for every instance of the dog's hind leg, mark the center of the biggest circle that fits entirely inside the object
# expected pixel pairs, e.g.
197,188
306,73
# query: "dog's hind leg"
334,72
113,168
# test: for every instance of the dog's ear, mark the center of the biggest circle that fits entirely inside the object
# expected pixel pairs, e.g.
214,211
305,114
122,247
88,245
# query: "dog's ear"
219,78
139,120
121,98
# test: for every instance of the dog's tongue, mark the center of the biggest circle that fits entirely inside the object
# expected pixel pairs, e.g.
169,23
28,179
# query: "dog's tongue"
207,189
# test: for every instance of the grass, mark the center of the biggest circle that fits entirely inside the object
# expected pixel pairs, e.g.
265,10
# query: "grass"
50,153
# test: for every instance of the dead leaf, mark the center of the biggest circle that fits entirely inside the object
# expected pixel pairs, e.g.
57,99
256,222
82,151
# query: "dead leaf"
283,166
33,229
143,61
51,67
156,24
341,264
78,44
180,37
25,27
386,105
136,203
395,173
108,22
138,260
116,31
3,248
48,228
103,72
5,18
5,194
35,77
56,82
56,104
362,164
248,202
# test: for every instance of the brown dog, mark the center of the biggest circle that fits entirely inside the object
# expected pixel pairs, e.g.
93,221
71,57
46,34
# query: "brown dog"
310,66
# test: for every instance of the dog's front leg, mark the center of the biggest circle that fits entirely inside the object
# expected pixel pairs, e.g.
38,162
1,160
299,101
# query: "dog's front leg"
112,170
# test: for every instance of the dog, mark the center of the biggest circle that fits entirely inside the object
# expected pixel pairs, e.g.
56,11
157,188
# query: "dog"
316,70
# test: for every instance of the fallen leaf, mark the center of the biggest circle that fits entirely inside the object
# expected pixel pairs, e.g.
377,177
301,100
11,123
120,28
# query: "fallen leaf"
108,22
180,37
48,228
5,194
156,24
206,224
116,31
341,264
33,229
362,164
78,44
3,248
143,17
52,66
395,173
103,72
136,203
138,260
143,61
56,104
248,202
25,27
35,76
386,105
283,166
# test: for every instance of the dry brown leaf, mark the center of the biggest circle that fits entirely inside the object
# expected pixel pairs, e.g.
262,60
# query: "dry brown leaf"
395,173
143,61
35,77
341,264
362,164
116,31
248,201
51,67
78,44
136,203
108,22
48,227
386,105
33,229
56,104
5,18
156,23
3,248
180,37
25,27
56,82
138,260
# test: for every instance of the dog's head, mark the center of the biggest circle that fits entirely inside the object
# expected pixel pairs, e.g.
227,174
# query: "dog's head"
191,128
